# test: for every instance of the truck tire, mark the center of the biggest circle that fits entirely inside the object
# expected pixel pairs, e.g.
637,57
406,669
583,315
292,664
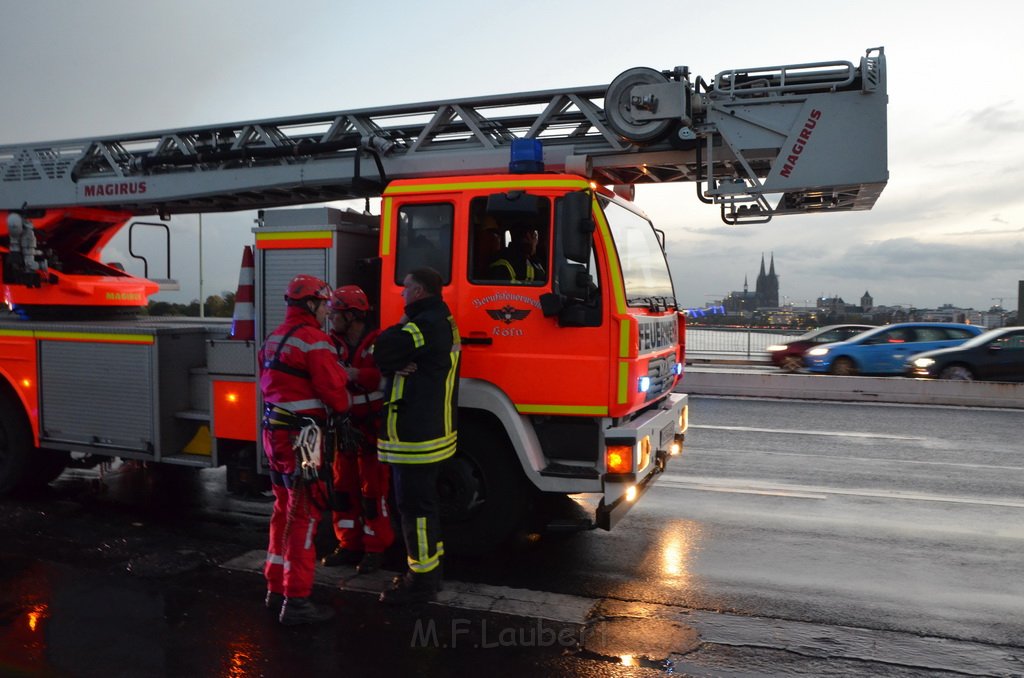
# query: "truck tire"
42,468
484,495
15,444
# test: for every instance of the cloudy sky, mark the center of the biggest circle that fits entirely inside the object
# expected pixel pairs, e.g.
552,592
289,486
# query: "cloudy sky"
949,227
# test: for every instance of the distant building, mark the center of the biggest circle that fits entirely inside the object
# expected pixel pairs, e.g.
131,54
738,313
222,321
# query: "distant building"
866,302
765,294
738,302
767,289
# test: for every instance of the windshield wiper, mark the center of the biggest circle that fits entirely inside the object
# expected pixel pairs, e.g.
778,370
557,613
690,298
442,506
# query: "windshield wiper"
654,304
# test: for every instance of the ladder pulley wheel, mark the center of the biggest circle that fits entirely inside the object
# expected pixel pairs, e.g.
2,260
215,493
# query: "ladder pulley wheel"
619,109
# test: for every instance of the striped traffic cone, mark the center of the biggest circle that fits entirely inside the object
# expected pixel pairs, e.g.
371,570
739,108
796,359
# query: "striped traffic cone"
243,323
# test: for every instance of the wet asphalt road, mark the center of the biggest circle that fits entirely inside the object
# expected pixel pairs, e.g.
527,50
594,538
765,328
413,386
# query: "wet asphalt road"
791,538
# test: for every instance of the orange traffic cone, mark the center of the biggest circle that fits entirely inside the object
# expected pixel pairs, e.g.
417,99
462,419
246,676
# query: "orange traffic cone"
243,323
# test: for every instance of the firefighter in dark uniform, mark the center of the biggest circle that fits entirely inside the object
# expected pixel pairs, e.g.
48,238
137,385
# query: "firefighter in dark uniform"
517,262
362,521
420,355
303,386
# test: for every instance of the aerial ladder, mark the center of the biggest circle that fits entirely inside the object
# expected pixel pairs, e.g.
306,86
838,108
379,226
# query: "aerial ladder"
815,134
756,142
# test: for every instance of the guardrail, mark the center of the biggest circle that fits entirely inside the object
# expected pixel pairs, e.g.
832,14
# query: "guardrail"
735,341
769,384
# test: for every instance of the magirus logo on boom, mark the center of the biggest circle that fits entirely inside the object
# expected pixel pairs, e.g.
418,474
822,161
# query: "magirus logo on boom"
114,189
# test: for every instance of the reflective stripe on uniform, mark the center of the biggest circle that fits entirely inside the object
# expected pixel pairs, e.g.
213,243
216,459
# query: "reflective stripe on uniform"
297,405
424,562
309,535
417,336
368,398
298,343
417,445
507,265
416,457
449,387
397,389
346,524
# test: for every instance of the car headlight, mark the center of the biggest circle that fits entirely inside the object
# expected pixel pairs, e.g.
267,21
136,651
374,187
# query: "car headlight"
818,351
775,348
923,363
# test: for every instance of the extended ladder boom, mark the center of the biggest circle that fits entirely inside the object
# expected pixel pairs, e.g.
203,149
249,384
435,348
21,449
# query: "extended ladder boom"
816,133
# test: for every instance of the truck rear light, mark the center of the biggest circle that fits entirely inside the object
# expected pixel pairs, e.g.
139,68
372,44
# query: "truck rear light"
675,448
618,459
631,493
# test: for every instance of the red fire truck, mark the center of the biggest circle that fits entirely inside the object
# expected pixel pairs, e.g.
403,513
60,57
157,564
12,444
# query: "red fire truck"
568,381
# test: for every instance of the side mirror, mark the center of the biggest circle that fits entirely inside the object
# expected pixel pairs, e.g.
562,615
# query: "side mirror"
575,225
574,282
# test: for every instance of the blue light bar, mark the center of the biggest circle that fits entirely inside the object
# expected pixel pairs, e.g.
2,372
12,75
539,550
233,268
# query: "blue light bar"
527,156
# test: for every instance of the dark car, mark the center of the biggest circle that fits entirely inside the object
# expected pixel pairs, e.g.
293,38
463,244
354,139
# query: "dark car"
886,349
789,356
996,355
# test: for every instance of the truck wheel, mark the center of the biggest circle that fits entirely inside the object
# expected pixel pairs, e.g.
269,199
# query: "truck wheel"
15,444
42,468
484,496
843,367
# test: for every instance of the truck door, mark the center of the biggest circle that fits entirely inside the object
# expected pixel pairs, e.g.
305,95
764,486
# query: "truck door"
544,367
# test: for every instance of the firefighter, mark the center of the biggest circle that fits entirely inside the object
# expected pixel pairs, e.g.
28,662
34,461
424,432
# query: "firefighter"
362,522
518,262
303,386
420,356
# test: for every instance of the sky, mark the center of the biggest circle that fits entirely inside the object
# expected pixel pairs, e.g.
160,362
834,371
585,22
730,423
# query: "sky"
947,229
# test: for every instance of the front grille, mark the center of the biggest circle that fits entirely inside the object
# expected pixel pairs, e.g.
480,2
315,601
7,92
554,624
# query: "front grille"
660,372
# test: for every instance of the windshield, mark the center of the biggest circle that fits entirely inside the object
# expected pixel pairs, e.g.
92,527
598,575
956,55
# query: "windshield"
644,269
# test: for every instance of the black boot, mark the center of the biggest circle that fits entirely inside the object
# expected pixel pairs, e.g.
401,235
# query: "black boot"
273,602
412,588
369,563
341,556
304,611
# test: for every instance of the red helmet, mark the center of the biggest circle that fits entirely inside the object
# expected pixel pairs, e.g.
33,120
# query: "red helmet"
349,297
307,287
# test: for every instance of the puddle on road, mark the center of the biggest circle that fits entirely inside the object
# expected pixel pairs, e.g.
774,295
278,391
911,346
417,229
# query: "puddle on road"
640,642
166,564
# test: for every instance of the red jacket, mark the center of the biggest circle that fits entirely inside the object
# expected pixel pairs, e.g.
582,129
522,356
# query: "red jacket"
367,389
308,379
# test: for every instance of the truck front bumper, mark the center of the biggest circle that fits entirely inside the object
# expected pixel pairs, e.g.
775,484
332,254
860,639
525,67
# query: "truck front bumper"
655,436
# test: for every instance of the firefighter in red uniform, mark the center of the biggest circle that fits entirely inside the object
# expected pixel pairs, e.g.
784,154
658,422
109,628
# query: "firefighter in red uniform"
303,386
362,521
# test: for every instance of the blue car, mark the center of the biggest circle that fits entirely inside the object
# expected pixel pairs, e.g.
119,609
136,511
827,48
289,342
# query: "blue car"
885,349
